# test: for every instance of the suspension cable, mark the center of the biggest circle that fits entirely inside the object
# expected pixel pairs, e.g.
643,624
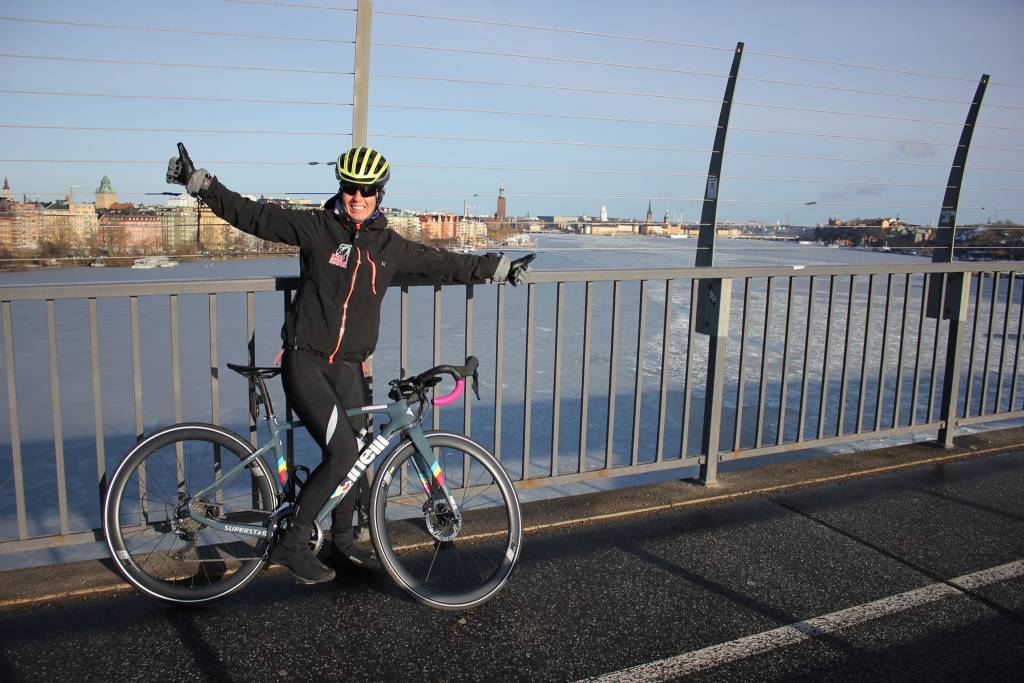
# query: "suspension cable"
620,36
135,62
174,130
656,148
157,29
454,109
197,98
176,98
684,98
503,24
641,67
327,72
541,86
568,143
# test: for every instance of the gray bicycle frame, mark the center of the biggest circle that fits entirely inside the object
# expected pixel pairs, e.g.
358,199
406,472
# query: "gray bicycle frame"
401,418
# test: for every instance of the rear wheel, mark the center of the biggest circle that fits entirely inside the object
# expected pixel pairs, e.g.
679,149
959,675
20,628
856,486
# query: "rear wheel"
147,519
448,558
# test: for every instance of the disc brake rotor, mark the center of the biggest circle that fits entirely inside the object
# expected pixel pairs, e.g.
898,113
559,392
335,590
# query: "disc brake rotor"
442,523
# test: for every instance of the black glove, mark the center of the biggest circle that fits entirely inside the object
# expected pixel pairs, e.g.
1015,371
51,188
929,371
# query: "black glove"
518,269
181,171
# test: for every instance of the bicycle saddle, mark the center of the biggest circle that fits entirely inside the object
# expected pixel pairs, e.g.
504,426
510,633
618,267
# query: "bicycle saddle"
252,371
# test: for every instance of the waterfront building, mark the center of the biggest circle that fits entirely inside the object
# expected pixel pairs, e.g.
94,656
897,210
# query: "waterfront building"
127,229
439,226
472,232
106,197
24,216
215,234
620,229
6,223
405,223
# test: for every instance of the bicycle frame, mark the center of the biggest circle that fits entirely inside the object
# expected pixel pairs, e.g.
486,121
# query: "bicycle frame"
401,420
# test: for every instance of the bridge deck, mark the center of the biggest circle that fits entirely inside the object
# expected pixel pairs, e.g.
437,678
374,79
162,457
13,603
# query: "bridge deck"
840,566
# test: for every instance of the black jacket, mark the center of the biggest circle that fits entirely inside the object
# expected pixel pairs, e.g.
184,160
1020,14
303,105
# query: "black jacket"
346,269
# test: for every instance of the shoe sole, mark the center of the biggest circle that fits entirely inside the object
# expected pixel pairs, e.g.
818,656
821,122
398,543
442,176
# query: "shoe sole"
309,582
299,579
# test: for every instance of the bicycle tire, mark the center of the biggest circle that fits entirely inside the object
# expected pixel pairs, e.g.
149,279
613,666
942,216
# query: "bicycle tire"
156,546
413,544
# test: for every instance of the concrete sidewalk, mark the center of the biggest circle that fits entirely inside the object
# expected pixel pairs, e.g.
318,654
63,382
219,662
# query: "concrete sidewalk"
51,583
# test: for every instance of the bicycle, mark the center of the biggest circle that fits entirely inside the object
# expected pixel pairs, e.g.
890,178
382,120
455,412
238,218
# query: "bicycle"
193,509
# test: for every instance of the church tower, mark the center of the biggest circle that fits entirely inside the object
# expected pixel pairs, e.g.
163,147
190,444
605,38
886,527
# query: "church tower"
500,214
105,194
7,191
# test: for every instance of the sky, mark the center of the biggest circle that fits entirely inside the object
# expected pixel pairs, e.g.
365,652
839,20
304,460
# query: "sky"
616,108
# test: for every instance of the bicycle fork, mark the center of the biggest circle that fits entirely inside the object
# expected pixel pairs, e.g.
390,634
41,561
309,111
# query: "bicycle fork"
442,513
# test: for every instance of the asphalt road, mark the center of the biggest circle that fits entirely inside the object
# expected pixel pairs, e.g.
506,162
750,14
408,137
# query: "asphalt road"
844,582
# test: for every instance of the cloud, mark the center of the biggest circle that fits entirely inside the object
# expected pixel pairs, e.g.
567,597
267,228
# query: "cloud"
915,150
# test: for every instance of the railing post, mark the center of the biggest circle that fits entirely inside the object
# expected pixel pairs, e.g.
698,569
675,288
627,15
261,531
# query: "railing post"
959,288
713,294
945,234
361,82
708,217
717,326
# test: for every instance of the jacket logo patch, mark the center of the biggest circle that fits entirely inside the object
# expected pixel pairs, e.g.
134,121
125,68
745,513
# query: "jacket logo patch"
340,256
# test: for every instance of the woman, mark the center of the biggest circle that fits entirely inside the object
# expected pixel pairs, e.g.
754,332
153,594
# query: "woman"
349,257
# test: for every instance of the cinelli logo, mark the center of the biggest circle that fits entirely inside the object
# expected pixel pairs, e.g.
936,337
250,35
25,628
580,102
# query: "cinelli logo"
366,457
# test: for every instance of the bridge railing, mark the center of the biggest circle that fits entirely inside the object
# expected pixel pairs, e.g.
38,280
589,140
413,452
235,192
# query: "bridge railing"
586,374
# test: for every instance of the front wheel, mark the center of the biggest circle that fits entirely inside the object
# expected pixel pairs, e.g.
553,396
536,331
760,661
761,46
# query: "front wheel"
448,559
148,519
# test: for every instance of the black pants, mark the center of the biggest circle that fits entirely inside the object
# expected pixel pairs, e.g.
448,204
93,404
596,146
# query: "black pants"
319,393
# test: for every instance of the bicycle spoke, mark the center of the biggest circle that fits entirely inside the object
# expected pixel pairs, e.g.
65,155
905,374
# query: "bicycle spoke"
449,557
173,554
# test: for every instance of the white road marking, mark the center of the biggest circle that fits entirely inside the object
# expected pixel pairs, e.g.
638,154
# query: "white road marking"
716,655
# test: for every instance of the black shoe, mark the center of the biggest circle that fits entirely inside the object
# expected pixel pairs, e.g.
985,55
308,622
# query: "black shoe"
293,553
350,553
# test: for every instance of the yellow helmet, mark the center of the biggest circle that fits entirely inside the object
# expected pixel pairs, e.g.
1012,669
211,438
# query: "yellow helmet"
362,166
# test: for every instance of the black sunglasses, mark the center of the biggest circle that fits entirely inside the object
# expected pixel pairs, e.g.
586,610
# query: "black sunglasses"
365,190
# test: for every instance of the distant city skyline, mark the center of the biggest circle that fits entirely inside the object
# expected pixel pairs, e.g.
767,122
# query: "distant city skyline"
182,200
848,109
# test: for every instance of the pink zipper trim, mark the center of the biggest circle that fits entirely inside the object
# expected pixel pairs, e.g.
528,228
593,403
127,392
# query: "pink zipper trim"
373,276
344,306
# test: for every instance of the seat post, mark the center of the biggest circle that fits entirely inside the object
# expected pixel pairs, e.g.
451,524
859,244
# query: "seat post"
265,396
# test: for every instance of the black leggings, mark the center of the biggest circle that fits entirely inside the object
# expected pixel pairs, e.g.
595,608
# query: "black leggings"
319,393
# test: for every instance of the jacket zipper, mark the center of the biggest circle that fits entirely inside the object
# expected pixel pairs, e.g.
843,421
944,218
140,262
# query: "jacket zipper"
344,306
373,273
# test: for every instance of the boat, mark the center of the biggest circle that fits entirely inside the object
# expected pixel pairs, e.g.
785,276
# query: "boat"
147,262
98,263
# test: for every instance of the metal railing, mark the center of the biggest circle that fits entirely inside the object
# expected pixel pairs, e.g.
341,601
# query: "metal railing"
596,374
